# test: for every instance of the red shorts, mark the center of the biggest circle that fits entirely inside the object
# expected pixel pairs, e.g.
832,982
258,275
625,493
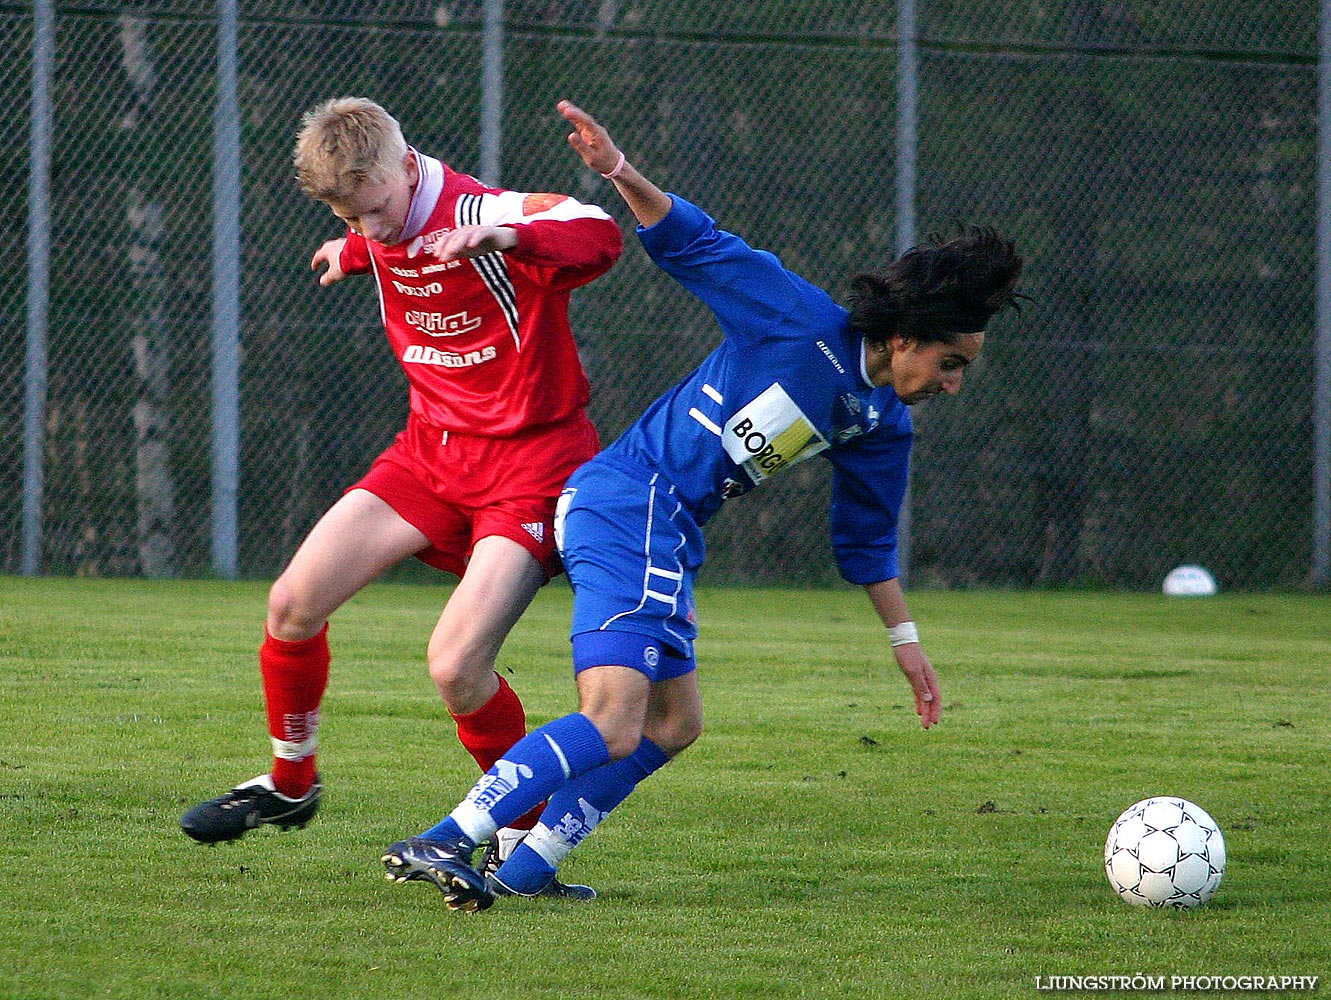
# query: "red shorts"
459,488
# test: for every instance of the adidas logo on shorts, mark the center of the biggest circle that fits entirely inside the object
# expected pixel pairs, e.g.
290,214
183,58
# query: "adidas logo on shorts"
536,529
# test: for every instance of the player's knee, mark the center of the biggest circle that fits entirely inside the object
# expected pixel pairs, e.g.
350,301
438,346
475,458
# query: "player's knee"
464,679
616,700
290,616
621,740
676,733
686,735
621,726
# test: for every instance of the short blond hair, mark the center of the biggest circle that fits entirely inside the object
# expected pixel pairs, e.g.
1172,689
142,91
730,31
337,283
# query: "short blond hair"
344,143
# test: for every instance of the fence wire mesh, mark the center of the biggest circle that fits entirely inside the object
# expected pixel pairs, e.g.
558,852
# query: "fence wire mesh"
1154,158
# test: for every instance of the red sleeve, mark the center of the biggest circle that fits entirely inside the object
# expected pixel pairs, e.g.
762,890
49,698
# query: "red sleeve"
575,250
355,257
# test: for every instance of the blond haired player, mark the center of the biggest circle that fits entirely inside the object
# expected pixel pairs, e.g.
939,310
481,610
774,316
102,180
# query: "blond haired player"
474,285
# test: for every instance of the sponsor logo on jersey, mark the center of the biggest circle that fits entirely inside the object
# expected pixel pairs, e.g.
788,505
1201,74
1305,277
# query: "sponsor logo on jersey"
411,272
769,434
419,291
438,325
446,265
418,354
535,204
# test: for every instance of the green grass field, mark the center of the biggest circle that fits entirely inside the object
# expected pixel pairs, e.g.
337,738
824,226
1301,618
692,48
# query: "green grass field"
815,843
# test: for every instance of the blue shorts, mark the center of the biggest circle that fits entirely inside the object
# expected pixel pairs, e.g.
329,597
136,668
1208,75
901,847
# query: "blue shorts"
632,551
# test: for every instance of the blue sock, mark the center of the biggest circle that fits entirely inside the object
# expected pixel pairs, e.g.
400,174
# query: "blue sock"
573,812
530,772
447,830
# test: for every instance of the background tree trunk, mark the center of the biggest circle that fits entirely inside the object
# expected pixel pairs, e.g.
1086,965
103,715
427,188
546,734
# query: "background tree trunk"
146,221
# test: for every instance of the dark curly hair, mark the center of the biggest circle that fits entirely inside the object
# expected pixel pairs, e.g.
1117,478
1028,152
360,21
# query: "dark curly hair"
938,290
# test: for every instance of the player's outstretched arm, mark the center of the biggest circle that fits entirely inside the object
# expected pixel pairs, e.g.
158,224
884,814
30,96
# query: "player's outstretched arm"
890,603
592,142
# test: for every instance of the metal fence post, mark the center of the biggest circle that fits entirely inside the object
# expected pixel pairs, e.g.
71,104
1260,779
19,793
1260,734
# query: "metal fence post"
908,90
1320,573
226,298
492,90
39,282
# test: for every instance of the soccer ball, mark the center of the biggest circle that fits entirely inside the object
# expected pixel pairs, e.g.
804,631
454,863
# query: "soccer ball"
1165,852
1189,581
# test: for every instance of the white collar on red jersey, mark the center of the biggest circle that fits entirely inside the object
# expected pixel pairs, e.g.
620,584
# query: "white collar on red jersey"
425,197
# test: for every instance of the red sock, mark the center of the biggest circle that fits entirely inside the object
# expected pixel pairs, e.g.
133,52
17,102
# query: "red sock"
295,675
491,730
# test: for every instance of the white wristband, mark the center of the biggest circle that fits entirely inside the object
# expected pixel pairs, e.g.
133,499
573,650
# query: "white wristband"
903,633
617,169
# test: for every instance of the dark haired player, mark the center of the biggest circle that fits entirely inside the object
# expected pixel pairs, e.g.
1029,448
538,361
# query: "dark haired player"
796,376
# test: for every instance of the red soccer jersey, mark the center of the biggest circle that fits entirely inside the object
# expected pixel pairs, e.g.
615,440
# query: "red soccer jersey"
485,342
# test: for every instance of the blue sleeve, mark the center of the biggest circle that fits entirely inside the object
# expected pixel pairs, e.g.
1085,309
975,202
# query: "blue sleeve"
749,290
868,486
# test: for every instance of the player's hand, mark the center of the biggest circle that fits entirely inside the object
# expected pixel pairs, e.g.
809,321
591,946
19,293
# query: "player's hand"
329,255
923,681
475,241
589,138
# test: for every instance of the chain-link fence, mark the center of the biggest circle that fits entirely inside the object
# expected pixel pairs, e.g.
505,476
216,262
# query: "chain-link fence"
1154,158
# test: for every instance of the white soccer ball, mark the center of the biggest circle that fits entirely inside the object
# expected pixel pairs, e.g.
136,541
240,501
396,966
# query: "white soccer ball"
1165,852
1189,581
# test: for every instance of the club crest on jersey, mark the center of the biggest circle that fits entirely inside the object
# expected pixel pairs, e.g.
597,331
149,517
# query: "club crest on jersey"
426,242
535,204
852,417
769,434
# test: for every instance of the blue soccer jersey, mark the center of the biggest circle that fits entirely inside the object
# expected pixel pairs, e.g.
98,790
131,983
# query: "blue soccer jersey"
787,383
